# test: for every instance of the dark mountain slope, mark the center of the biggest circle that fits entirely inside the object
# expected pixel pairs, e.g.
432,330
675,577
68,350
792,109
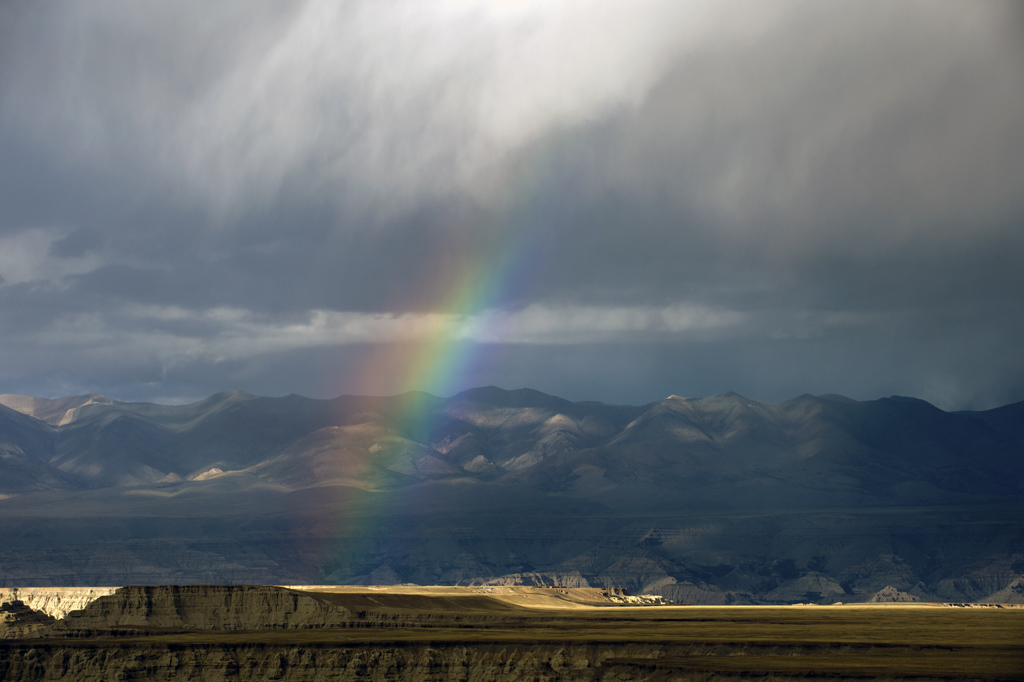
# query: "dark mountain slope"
1007,420
26,448
712,499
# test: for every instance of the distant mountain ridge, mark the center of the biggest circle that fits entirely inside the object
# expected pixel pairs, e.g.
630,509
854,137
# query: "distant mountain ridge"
92,442
707,499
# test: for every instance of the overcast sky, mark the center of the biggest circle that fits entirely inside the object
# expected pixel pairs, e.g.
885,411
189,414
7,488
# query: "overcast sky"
602,200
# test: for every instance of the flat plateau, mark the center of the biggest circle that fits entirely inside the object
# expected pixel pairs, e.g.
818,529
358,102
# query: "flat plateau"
216,632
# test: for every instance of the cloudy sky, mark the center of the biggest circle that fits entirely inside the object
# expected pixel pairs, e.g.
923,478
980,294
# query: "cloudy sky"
601,200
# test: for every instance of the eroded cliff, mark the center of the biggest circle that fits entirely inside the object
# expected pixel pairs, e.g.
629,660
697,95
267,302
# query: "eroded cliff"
493,633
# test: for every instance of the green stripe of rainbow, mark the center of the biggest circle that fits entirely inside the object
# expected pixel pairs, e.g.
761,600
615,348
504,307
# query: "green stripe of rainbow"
441,361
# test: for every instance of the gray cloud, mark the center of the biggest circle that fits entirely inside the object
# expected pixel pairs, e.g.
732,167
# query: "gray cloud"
620,199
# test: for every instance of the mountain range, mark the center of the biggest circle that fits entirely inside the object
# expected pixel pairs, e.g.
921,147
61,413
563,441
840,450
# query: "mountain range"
720,499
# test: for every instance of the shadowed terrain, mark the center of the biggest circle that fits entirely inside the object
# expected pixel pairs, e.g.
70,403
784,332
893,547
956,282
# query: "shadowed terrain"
718,500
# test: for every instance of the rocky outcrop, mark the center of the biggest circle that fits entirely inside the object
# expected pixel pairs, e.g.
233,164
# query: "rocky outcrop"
813,588
137,610
206,607
572,579
638,599
18,620
890,595
56,602
1001,581
1011,594
693,593
423,663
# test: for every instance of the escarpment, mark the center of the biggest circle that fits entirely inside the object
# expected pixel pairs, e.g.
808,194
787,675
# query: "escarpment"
185,608
493,633
55,602
140,609
204,607
298,663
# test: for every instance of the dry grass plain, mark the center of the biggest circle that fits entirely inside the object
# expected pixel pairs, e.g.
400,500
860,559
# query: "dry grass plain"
849,640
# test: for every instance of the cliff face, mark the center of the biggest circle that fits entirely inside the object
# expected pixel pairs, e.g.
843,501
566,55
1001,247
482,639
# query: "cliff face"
425,663
56,602
18,620
176,623
205,607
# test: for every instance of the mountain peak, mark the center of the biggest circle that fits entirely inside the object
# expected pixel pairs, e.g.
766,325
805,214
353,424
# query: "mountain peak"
519,397
55,411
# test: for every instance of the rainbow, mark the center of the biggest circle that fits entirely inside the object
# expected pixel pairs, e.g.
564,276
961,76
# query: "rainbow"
444,359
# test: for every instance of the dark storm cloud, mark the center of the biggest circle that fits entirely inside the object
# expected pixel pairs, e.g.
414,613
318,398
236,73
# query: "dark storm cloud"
764,197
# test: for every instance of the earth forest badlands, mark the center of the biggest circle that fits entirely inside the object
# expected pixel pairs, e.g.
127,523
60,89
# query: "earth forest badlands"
577,340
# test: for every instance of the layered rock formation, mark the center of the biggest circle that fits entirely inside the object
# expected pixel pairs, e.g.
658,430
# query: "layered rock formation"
493,633
890,595
423,663
55,602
